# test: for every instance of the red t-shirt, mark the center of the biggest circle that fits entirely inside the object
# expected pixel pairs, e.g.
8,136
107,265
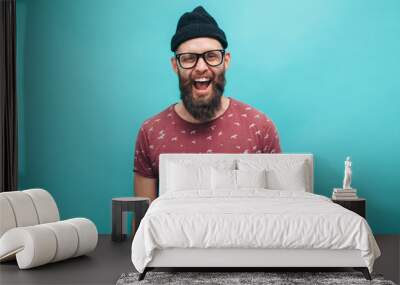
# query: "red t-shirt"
240,129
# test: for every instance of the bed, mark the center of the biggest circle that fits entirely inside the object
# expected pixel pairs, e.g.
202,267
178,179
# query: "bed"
247,210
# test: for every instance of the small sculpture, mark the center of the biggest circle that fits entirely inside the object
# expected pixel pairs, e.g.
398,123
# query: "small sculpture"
347,174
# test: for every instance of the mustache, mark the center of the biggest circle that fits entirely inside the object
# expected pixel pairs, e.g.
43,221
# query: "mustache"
218,83
202,110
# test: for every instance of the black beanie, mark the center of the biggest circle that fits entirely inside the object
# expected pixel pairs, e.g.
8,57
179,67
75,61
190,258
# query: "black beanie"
196,24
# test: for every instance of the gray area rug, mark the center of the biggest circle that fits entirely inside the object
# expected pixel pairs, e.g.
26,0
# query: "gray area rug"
230,278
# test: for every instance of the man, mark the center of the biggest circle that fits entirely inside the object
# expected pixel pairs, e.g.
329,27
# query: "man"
205,121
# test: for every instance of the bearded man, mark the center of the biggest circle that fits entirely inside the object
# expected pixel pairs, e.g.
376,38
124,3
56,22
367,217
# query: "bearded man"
205,121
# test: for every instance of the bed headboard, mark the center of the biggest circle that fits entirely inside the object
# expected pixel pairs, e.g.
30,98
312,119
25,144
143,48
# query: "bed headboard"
213,158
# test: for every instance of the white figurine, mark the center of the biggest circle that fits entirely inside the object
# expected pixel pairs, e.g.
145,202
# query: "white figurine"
347,174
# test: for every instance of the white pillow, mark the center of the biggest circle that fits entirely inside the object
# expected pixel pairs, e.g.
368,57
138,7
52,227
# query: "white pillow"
251,178
281,175
288,179
204,161
228,179
223,179
181,177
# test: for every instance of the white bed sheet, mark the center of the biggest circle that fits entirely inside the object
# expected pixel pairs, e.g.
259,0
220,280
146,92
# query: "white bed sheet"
250,218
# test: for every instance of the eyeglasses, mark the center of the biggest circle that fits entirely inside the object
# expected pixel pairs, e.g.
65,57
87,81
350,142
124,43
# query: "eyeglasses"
189,60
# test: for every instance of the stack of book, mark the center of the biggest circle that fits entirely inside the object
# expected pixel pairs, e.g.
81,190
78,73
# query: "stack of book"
344,194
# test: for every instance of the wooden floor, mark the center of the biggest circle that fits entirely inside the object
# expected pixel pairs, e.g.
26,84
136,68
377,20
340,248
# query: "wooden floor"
111,259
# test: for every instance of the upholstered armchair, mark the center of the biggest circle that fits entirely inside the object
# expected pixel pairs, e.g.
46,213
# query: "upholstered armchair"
31,231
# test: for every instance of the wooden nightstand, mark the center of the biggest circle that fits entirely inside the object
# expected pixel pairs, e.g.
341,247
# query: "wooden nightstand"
357,205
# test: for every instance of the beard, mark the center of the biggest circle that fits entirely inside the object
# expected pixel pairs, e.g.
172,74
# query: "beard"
202,110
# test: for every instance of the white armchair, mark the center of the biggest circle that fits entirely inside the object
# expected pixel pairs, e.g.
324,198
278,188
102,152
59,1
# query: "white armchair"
31,230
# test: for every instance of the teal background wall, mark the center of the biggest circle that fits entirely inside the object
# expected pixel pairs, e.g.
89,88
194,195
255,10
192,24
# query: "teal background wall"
90,72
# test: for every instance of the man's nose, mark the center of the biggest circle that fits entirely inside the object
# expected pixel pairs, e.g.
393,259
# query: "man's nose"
201,65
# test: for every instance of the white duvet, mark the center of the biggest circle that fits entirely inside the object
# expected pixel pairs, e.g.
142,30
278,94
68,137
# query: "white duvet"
251,218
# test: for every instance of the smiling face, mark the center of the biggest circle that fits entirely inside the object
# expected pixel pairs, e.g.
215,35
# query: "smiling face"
201,86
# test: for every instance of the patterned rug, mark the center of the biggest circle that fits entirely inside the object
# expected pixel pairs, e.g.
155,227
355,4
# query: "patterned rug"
270,278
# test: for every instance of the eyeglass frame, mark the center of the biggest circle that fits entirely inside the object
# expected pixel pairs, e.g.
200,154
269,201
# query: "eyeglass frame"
198,55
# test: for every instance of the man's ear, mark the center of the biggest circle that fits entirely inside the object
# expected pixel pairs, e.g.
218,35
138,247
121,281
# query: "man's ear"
227,59
174,64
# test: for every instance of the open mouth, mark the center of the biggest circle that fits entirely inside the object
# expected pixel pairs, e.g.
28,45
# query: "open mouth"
201,84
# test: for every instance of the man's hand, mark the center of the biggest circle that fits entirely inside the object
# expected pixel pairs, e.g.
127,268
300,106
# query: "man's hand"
145,187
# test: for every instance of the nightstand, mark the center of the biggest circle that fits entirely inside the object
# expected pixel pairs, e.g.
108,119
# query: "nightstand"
137,205
357,205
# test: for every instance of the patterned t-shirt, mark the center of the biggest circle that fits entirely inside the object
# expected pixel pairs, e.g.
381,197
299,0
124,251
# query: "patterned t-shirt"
240,129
